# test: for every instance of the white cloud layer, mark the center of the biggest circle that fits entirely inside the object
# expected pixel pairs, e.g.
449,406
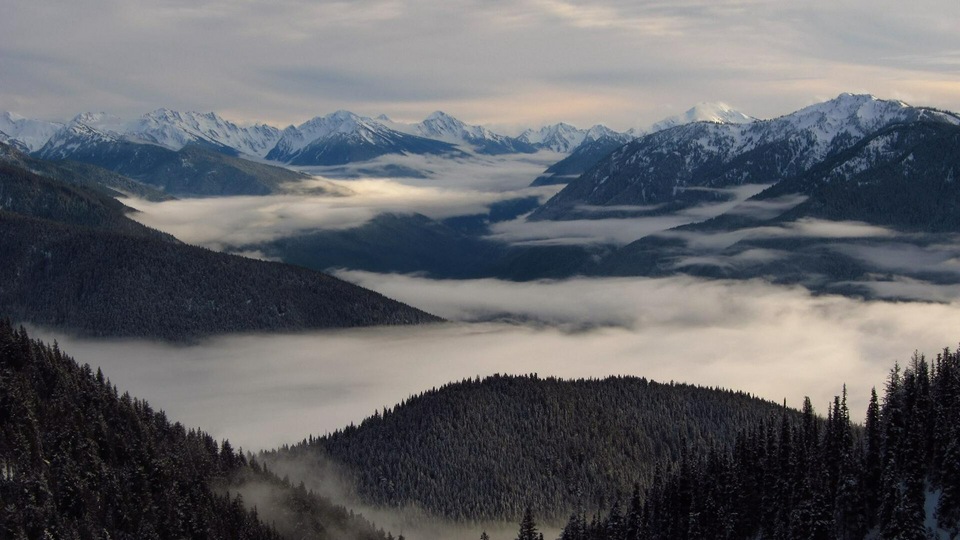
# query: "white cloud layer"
262,391
237,221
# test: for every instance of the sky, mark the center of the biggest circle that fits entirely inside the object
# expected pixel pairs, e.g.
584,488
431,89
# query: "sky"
624,63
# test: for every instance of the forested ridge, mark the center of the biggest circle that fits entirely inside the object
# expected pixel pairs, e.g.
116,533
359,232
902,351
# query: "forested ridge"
800,478
483,449
96,178
79,460
71,258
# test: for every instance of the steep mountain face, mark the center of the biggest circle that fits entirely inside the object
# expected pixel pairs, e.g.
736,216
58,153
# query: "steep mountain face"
443,127
31,134
686,165
584,157
71,259
197,169
485,449
79,460
343,137
174,130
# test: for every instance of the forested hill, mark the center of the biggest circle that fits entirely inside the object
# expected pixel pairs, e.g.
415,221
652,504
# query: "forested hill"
897,478
70,258
483,449
78,460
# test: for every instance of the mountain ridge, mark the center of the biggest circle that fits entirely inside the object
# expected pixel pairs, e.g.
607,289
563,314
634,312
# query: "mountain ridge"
685,165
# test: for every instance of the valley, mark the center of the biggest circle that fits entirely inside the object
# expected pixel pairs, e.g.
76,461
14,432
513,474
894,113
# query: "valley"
343,297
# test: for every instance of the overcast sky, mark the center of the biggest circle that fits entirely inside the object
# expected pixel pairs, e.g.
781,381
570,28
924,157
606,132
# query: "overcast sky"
620,62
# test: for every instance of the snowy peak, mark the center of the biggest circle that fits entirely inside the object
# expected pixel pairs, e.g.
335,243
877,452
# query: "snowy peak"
175,129
441,126
716,112
101,122
600,131
560,137
848,117
85,131
25,132
565,138
721,155
343,137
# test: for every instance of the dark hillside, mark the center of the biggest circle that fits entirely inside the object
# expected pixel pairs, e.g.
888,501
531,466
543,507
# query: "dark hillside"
78,460
479,450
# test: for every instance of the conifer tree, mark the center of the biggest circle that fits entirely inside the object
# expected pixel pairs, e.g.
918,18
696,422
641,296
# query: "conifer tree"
528,527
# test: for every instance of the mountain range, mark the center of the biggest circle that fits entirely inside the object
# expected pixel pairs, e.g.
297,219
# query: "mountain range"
837,188
600,142
690,163
335,139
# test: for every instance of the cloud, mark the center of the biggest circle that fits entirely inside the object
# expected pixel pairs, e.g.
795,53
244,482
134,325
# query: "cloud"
903,257
219,223
616,231
263,391
744,258
767,209
619,62
801,228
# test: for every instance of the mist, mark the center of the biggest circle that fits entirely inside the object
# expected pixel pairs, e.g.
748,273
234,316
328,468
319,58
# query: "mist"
261,391
218,223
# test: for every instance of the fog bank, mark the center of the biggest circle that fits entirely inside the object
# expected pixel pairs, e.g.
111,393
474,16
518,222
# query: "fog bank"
261,391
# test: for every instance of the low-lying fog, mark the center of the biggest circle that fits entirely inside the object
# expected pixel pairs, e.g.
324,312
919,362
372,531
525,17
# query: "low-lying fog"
265,390
261,391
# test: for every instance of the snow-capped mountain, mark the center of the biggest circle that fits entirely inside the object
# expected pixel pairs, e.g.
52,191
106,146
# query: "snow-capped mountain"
443,127
717,112
175,129
31,134
83,134
660,168
343,137
195,169
565,138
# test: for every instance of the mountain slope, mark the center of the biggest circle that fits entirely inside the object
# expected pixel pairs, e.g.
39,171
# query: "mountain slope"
78,460
194,170
31,134
900,479
443,127
599,142
175,129
106,182
901,178
484,449
343,137
585,156
564,138
71,259
686,165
